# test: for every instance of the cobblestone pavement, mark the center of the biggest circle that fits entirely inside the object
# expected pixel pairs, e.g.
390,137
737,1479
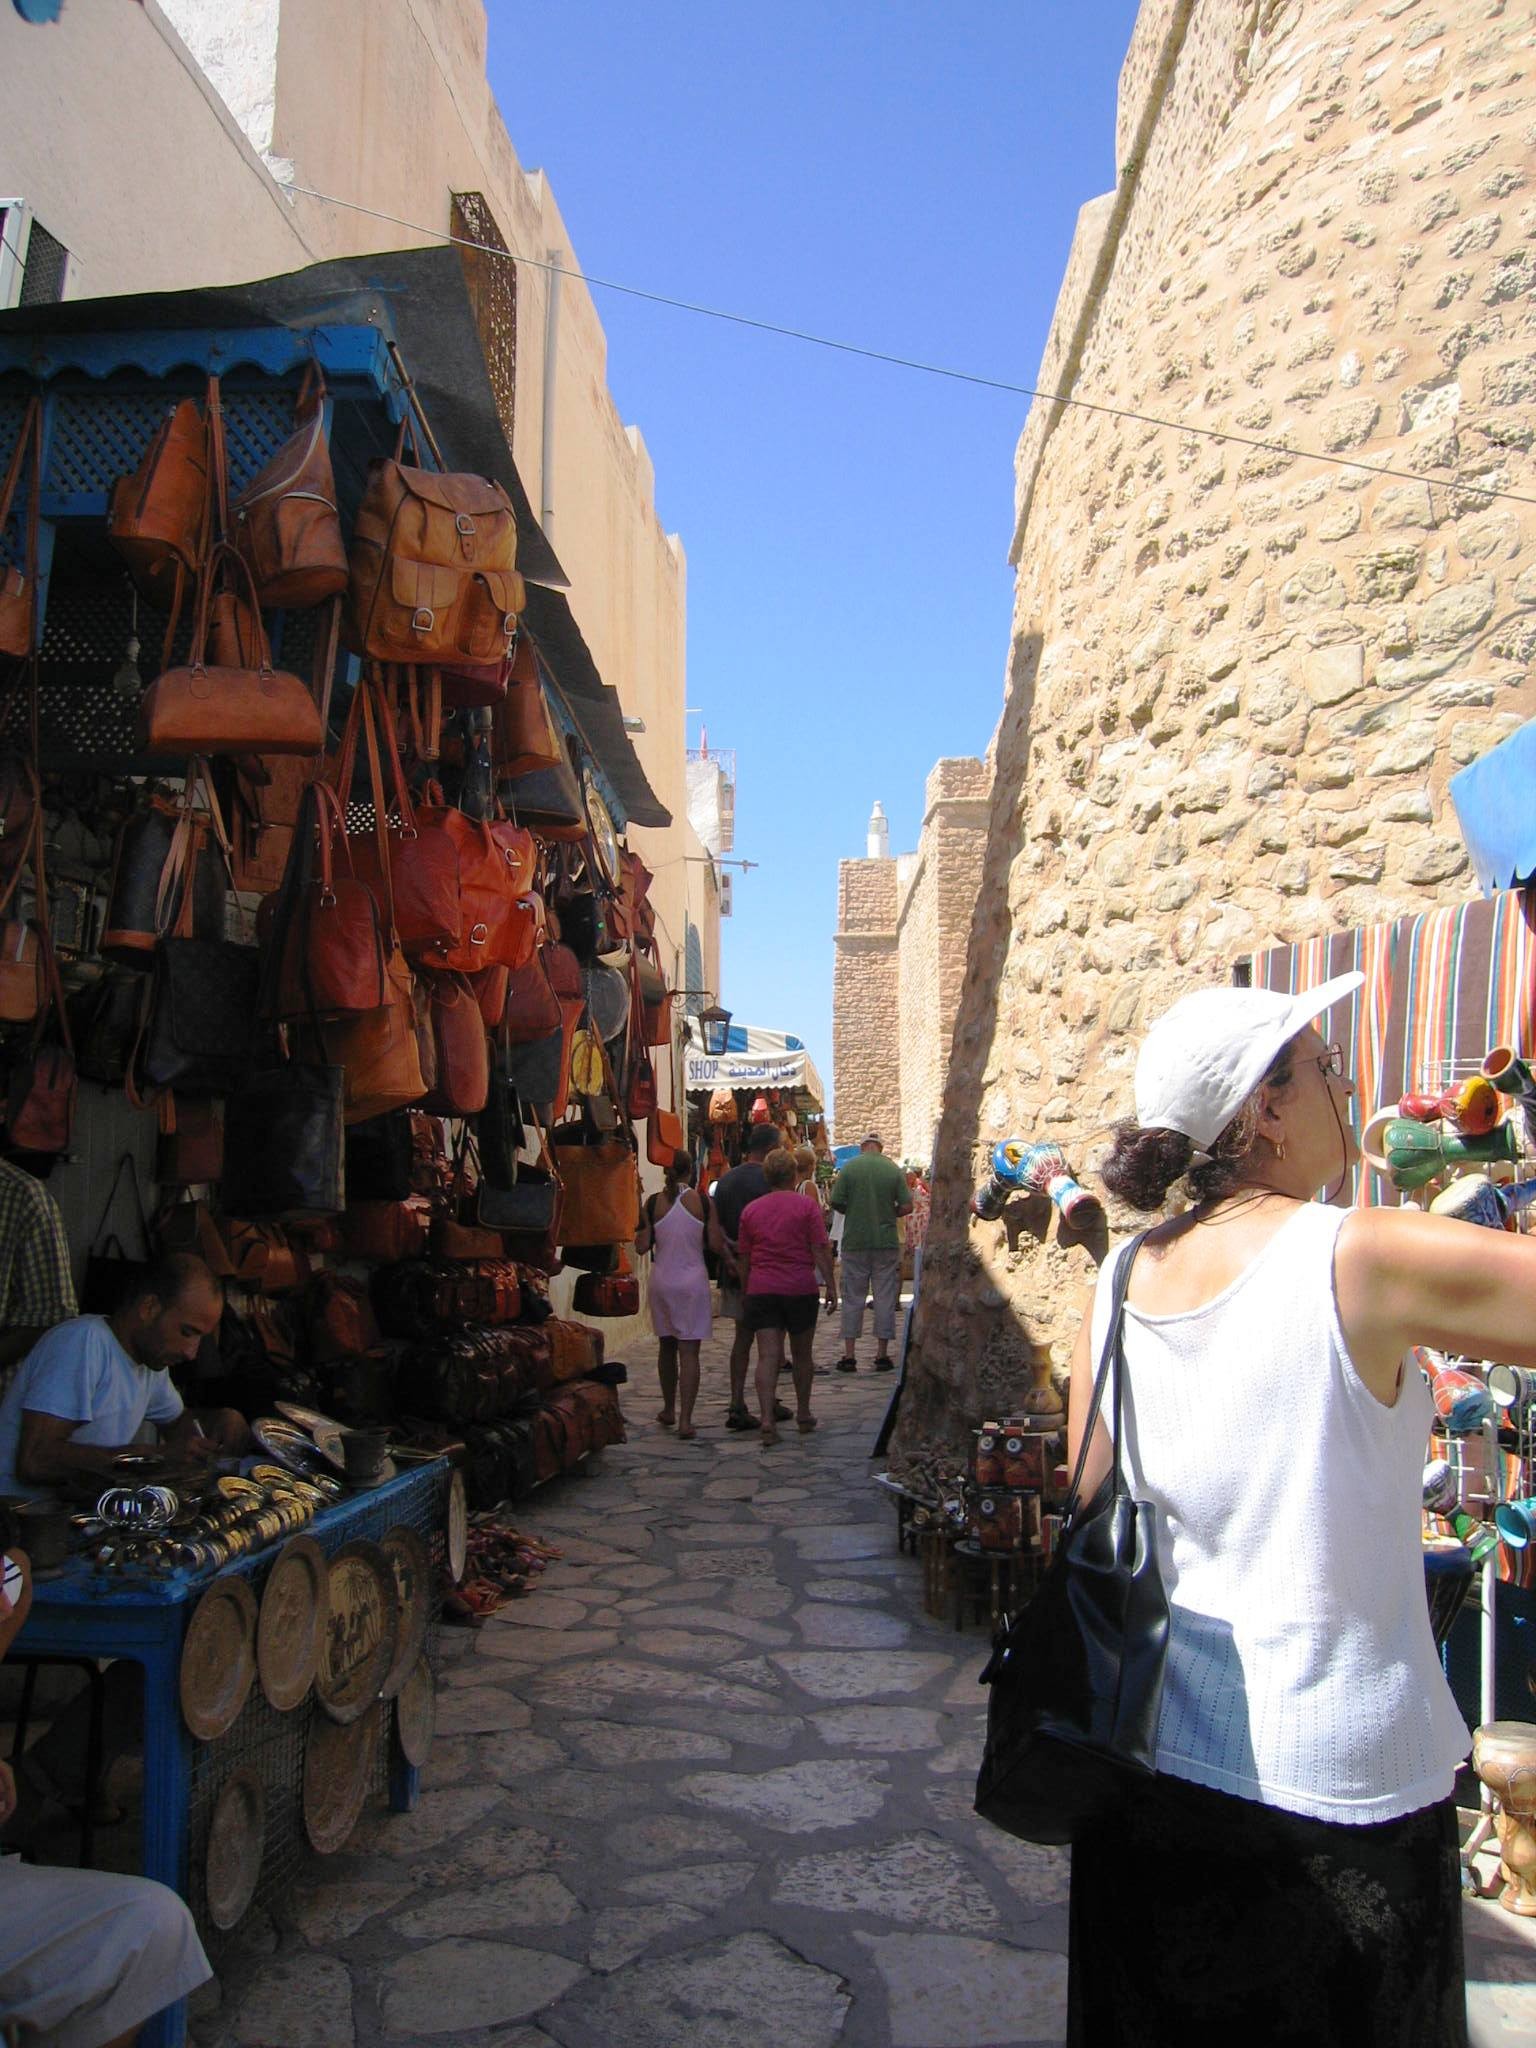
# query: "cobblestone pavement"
710,1784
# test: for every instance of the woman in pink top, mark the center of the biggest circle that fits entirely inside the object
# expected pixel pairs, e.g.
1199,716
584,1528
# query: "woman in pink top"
781,1246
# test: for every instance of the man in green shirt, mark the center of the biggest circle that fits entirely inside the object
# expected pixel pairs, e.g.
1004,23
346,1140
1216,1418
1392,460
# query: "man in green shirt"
870,1193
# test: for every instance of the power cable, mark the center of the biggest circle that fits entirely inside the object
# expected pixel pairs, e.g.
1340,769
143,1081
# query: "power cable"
1220,435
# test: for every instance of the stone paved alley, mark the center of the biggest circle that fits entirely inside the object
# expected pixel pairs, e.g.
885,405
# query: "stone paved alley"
710,1784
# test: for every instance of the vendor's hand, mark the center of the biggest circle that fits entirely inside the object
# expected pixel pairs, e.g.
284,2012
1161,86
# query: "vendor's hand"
7,1794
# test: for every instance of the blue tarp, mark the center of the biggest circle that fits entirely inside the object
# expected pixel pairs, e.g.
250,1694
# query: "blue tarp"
1495,803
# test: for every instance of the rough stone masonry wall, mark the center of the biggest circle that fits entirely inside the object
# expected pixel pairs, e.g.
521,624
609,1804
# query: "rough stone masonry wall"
933,938
866,1004
1240,678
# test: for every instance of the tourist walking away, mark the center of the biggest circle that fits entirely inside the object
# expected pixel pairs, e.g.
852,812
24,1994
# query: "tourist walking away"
733,1192
1302,1822
871,1194
805,1175
677,1223
781,1247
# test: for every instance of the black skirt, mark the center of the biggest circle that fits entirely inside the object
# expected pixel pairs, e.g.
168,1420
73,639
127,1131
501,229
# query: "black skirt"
1199,1917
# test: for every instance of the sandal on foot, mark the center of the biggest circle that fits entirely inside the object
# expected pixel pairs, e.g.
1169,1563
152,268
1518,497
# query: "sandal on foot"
768,1435
685,1430
667,1421
738,1418
805,1424
847,1365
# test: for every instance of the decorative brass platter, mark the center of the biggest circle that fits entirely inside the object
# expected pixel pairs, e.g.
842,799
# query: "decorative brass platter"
218,1657
458,1529
358,1645
295,1605
412,1565
416,1713
235,1837
338,1769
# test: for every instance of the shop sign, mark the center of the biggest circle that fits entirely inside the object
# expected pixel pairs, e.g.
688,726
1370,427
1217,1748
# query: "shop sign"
699,1071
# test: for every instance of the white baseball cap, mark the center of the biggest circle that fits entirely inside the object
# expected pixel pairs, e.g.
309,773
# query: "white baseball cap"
1203,1058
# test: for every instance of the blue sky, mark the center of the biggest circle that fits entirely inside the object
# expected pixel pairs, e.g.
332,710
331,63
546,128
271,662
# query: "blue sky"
904,175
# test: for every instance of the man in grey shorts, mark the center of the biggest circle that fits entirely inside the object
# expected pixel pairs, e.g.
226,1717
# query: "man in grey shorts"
871,1193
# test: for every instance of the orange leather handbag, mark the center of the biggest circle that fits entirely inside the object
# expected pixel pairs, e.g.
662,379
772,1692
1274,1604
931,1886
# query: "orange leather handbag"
523,735
209,709
377,1050
285,520
498,927
602,1189
18,587
461,1080
326,948
412,868
40,1100
157,517
433,574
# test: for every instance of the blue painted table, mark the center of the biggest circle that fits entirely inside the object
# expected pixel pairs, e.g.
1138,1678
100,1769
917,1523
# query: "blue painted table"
78,1612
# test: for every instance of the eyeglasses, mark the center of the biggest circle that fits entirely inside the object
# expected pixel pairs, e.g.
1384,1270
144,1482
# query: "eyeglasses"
1332,1061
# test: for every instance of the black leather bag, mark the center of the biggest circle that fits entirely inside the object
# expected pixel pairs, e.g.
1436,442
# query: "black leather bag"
282,1143
136,910
202,1016
380,1155
104,1018
110,1270
1077,1677
511,1194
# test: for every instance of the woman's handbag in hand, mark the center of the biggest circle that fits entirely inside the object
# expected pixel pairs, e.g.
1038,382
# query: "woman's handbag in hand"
1077,1677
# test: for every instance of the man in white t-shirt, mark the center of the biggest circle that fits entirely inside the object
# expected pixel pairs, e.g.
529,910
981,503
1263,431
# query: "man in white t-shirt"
90,1385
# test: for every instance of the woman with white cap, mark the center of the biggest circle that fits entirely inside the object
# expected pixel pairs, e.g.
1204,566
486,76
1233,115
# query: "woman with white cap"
1290,1874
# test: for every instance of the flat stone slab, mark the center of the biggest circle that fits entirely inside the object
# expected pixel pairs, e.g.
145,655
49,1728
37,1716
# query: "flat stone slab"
505,1850
850,1628
949,1992
917,1878
737,1530
1041,1876
630,1577
544,1646
436,1818
749,1992
480,1710
549,1610
845,1590
795,1798
332,1912
736,1563
509,1759
624,1932
302,2001
745,1627
760,1731
463,1983
610,1744
752,1671
762,1600
620,1676
859,1674
669,1838
837,1541
682,1646
537,1900
581,1795
878,1729
693,1884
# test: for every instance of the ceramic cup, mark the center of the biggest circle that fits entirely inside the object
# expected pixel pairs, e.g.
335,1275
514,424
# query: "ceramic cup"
1503,1066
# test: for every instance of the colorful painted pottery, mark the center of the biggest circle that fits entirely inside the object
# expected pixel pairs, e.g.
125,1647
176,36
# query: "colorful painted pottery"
1416,1154
1462,1400
1504,1757
1481,1538
1515,1521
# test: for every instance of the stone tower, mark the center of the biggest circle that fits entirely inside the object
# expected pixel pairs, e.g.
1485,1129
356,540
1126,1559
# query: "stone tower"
866,1001
1245,662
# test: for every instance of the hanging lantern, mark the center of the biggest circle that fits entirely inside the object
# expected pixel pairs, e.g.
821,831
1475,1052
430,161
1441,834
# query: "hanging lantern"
714,1029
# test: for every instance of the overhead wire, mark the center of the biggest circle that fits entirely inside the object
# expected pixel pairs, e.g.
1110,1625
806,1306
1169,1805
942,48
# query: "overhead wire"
1221,435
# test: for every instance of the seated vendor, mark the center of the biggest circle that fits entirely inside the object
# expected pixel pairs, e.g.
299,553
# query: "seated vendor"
86,1956
90,1385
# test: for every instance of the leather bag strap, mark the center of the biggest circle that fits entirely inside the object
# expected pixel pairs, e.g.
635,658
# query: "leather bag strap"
1111,1364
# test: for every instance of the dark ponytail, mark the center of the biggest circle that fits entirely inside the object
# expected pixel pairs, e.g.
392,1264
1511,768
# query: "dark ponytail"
1144,1165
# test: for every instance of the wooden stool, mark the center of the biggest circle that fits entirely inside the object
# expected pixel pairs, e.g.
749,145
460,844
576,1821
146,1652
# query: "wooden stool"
1504,1757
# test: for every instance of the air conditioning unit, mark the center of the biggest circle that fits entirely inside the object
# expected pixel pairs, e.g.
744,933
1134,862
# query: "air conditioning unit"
726,880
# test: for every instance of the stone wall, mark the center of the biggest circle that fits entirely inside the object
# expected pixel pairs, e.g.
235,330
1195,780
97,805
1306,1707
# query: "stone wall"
866,1004
933,931
1242,674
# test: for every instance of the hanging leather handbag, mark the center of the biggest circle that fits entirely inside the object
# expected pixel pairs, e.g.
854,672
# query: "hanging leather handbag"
191,1227
385,1230
40,1097
413,867
190,1151
379,1156
461,1079
325,945
200,1028
160,853
204,708
1077,1676
110,1270
573,1349
156,518
473,685
664,1137
23,968
468,1241
489,988
601,1203
378,1049
498,927
104,1016
340,1319
532,1008
655,998
512,1194
433,575
606,1294
18,587
640,1097
20,794
283,1143
285,520
548,801
524,736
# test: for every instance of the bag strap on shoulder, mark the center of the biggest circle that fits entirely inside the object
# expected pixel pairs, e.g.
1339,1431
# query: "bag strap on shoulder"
1111,1363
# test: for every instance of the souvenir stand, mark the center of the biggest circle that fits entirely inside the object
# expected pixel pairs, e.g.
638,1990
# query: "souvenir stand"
321,956
1437,1040
761,1077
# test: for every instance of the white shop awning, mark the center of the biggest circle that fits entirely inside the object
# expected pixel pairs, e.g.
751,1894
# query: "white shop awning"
753,1058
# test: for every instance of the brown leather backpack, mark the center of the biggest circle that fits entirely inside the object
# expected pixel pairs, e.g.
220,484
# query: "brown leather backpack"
157,518
285,521
433,566
18,587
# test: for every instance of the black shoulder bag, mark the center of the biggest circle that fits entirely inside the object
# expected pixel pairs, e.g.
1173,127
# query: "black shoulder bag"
1077,1677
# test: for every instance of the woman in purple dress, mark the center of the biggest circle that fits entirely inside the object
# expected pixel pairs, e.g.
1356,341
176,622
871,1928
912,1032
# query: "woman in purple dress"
677,1224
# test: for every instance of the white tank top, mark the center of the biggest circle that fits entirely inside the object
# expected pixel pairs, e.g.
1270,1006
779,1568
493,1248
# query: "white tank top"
1301,1670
